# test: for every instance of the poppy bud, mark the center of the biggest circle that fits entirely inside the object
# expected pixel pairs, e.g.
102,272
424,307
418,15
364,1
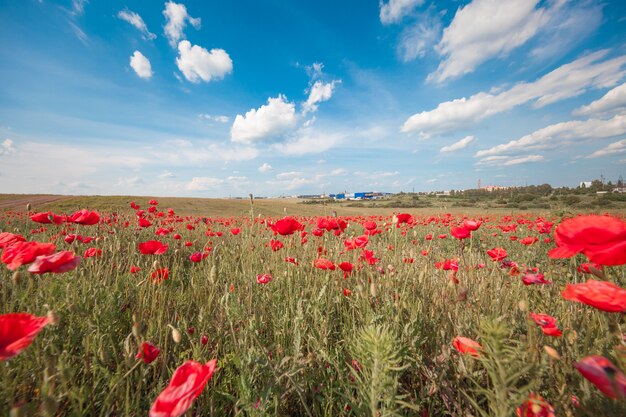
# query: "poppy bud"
213,274
137,330
53,318
155,264
522,305
373,290
28,207
552,352
204,340
176,336
17,277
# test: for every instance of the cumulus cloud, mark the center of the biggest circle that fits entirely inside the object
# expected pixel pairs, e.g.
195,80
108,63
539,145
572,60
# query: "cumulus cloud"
203,183
196,63
613,100
215,118
141,65
483,29
561,134
509,161
394,10
309,141
136,20
319,92
612,149
269,120
567,81
457,146
176,18
7,147
265,167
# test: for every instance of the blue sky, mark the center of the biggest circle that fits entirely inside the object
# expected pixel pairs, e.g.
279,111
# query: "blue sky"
218,99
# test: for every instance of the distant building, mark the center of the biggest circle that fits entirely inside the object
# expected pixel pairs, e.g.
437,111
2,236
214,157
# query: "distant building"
585,184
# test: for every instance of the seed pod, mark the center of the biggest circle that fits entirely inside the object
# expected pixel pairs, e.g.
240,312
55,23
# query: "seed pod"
53,318
137,330
552,352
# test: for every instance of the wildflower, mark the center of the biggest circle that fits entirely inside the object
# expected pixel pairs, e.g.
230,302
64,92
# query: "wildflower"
23,253
601,238
159,275
17,332
186,385
148,352
152,247
497,254
547,323
602,295
85,217
466,346
603,374
57,263
263,278
535,406
324,264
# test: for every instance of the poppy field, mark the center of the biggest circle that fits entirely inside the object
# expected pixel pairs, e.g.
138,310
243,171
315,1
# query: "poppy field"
144,311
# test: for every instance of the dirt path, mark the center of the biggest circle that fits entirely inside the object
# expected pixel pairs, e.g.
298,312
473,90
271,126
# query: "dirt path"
19,202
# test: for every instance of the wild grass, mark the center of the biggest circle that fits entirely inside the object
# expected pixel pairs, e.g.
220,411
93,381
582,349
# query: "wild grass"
298,346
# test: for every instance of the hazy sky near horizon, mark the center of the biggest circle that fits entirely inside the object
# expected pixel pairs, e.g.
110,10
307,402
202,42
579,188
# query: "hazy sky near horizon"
276,97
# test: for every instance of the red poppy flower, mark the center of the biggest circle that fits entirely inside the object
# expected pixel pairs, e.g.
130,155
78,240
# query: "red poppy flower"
368,256
152,247
17,332
591,268
369,225
466,346
604,375
159,275
429,236
185,386
345,267
91,252
602,295
7,239
535,406
22,253
405,218
324,264
537,279
148,352
460,232
497,254
347,292
276,245
48,218
472,225
528,240
287,226
547,323
161,231
85,217
291,260
263,278
134,269
198,256
357,242
601,238
235,231
57,263
144,222
153,202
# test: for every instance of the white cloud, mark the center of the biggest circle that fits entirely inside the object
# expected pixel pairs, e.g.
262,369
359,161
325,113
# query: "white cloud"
141,65
289,175
612,149
196,63
415,40
509,161
567,81
319,92
136,20
129,182
78,7
271,119
483,29
613,100
176,17
394,10
7,147
561,134
457,146
265,167
315,70
166,175
309,141
203,183
215,118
